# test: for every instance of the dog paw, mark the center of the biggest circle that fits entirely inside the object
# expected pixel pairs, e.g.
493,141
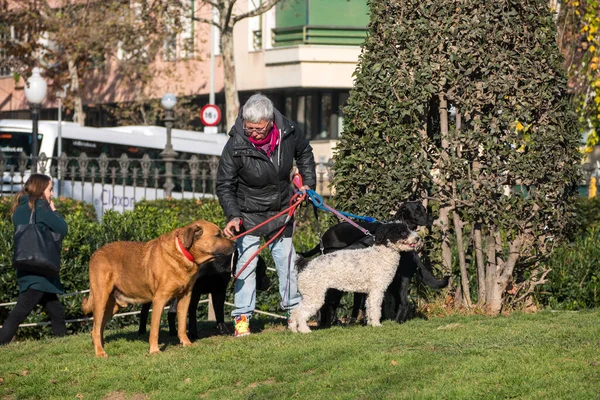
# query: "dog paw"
102,355
154,351
292,326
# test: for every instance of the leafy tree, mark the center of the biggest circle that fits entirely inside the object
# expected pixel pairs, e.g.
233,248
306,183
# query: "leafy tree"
82,42
228,16
501,171
579,40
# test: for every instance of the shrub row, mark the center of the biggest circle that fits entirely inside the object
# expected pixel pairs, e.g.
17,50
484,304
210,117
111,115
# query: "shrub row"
574,281
148,220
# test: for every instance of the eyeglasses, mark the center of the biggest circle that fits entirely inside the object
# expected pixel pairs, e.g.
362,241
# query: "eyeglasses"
256,129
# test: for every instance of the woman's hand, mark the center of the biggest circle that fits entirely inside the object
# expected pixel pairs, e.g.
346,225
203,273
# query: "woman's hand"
233,225
51,202
304,188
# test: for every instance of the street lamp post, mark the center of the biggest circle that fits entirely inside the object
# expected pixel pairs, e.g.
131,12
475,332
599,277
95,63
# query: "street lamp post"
35,92
59,97
168,101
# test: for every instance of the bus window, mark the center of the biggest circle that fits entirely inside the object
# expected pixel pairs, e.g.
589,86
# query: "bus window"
12,144
74,148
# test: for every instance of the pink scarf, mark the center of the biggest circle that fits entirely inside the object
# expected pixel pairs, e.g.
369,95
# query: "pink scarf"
269,143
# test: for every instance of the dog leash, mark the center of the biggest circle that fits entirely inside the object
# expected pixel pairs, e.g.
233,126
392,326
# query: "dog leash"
321,245
295,202
319,203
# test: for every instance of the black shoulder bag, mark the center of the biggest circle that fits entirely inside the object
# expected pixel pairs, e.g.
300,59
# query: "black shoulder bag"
37,248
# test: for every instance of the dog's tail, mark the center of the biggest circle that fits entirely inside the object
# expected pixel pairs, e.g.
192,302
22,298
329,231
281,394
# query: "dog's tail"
431,281
301,263
87,304
311,253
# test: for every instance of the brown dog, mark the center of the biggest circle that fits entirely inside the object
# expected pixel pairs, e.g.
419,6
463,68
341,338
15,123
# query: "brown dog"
156,271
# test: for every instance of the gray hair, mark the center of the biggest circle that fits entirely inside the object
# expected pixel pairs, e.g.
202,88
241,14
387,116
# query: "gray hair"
258,108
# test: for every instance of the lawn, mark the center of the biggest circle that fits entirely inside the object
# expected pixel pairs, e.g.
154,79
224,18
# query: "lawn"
547,355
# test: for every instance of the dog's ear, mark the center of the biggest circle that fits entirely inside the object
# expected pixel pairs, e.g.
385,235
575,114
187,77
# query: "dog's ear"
381,234
189,236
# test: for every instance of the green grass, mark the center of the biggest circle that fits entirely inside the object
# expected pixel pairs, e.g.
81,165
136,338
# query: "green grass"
548,355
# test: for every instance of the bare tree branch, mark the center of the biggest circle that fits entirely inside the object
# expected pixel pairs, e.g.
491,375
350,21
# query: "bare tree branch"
266,6
228,13
207,21
533,284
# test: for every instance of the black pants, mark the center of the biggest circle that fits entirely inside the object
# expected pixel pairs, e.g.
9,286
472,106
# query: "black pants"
26,302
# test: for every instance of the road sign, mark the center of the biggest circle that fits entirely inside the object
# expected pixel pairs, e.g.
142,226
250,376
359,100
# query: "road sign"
210,115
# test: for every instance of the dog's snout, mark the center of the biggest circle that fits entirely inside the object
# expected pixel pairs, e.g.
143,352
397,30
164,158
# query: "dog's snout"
232,247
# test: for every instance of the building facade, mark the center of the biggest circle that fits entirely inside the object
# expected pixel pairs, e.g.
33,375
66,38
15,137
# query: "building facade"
301,53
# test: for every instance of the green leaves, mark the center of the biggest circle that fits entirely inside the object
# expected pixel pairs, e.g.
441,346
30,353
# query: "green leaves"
497,65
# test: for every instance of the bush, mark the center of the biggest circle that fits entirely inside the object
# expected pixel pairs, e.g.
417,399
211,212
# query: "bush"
574,282
586,217
147,221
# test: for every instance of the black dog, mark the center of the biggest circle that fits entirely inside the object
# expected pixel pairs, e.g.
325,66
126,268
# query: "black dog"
346,236
213,279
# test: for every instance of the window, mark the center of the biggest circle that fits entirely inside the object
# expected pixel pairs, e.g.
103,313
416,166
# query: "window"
182,45
7,35
170,47
5,70
187,30
255,26
12,144
327,118
342,102
318,114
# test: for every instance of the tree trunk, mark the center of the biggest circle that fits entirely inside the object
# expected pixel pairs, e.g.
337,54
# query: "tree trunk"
490,269
464,274
232,101
480,260
78,114
499,273
445,210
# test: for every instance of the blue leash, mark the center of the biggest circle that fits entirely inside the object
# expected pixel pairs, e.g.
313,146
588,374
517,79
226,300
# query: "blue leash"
317,200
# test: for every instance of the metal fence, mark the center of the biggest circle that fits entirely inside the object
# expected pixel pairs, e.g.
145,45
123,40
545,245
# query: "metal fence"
117,183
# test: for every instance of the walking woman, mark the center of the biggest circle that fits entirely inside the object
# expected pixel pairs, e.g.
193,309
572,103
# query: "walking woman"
36,289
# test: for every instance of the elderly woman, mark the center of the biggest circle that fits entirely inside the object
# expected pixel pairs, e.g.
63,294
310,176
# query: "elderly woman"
253,185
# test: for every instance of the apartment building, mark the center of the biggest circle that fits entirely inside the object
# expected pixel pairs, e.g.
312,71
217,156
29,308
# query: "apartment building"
301,53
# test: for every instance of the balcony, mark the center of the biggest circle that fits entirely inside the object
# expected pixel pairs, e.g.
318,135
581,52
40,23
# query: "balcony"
319,35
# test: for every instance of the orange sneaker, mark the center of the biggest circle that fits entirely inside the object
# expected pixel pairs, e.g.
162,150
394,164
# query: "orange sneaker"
242,326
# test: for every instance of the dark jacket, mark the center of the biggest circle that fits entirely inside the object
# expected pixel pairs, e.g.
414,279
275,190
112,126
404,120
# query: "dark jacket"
253,187
54,221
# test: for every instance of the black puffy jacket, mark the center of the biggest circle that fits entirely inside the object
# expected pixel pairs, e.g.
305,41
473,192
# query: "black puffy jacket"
253,187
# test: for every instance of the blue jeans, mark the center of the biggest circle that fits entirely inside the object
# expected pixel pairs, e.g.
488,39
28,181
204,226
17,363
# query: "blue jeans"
284,256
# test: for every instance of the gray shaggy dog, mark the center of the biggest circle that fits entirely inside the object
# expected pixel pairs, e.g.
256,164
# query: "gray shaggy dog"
369,270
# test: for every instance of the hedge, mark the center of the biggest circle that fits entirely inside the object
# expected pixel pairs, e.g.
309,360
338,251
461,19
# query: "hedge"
148,220
574,281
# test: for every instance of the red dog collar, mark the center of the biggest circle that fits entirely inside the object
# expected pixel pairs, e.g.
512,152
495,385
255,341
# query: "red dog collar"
185,251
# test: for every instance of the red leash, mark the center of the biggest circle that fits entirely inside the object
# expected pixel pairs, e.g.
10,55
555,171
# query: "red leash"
295,201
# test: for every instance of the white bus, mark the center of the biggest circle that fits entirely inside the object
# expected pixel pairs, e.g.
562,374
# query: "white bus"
134,141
